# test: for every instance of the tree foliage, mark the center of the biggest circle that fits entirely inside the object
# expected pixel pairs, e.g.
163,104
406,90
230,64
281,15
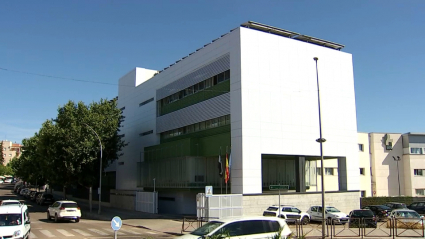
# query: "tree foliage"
66,150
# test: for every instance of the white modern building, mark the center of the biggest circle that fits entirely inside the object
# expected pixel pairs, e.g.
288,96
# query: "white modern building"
252,94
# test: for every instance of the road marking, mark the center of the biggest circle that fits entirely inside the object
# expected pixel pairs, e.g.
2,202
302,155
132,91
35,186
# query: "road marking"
47,233
118,232
82,232
98,232
133,232
65,233
32,235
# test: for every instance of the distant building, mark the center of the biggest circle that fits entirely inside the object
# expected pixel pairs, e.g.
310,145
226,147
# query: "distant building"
10,150
251,93
397,163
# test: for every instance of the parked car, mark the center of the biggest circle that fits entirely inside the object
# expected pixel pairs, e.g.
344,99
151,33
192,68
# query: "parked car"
258,227
23,191
64,210
406,218
362,218
35,195
332,215
289,213
419,207
395,205
380,211
8,180
15,221
45,198
29,193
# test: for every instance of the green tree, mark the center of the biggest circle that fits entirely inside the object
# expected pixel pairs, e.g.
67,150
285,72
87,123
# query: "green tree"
2,154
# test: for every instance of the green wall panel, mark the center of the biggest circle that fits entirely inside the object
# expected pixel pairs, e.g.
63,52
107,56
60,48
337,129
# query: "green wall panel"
202,95
203,143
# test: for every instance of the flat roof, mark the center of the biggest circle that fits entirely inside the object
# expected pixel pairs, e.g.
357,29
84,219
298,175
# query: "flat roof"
292,35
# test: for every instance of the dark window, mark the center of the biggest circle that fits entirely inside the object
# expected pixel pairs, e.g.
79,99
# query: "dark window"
146,133
253,227
69,205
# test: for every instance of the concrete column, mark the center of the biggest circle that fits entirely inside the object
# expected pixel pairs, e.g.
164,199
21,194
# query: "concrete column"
300,174
342,174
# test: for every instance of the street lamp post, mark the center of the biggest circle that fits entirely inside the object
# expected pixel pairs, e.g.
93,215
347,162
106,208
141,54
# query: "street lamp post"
100,174
398,174
321,140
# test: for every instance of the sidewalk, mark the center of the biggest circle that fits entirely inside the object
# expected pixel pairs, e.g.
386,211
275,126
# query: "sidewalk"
164,223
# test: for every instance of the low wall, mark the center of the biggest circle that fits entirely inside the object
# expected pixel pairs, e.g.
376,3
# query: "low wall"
254,205
125,199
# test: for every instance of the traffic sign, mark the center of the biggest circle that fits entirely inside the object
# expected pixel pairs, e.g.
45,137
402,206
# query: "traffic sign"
116,223
278,187
208,191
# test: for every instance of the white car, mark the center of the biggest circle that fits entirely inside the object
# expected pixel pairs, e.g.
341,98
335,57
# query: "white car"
64,210
332,215
289,213
15,222
247,228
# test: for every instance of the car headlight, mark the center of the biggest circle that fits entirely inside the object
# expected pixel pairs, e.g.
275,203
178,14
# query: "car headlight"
17,233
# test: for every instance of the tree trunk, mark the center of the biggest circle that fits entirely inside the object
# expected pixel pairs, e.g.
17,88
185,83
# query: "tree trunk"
64,192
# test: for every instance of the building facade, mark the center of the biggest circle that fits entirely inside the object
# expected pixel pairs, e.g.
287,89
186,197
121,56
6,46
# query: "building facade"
10,150
397,163
251,97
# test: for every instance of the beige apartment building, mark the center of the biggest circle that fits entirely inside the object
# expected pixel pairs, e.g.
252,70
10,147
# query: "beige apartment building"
397,163
10,150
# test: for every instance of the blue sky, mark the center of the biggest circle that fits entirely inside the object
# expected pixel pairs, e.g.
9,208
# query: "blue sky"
100,41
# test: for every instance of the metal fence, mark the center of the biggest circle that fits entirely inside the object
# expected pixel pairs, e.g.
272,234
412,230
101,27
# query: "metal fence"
362,228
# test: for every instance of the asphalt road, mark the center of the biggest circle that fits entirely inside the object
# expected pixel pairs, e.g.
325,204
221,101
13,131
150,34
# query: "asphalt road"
43,228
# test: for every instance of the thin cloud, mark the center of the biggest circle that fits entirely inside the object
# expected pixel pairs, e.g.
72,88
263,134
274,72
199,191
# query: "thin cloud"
15,133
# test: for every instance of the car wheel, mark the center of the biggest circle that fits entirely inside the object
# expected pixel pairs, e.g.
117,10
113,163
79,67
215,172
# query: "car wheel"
305,220
56,218
77,220
48,216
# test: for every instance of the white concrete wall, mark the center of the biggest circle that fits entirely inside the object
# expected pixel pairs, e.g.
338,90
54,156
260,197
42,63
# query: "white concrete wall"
134,88
384,168
274,106
364,162
410,163
344,201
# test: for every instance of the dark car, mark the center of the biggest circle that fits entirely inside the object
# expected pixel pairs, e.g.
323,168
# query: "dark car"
45,198
419,207
381,211
35,195
362,218
395,205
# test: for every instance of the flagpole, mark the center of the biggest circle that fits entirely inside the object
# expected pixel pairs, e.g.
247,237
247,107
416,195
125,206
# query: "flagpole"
221,173
227,164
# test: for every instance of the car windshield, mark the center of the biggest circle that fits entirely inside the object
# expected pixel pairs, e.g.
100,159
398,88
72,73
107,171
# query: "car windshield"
401,205
11,203
10,220
272,209
207,228
69,205
362,213
332,209
407,214
382,207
